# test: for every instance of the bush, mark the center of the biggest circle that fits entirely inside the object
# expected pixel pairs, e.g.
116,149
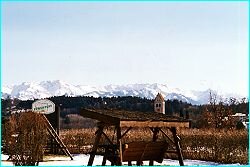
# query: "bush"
25,136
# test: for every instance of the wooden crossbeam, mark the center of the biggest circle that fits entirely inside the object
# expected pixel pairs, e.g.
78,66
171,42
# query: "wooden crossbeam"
126,132
166,136
107,138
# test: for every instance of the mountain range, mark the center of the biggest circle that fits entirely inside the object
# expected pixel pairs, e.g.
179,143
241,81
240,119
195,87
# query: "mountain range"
45,89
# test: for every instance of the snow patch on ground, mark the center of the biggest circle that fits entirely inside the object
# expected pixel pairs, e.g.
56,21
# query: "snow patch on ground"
82,159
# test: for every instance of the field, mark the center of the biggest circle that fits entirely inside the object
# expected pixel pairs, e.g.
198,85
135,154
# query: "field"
223,146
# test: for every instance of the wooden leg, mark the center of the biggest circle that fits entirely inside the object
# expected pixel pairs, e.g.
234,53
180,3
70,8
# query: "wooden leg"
105,157
104,160
177,145
119,143
155,134
129,163
155,137
95,146
138,163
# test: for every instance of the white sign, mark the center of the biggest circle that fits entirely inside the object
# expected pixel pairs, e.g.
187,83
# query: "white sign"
43,106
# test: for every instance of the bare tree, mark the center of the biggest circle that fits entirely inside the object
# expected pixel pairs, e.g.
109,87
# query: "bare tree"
217,114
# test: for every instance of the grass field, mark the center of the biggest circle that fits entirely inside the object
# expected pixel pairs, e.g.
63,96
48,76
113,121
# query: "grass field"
224,146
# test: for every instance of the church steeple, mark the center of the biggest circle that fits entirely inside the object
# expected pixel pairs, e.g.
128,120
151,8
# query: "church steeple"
159,104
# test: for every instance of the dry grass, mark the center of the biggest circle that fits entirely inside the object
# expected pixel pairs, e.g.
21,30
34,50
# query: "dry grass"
227,146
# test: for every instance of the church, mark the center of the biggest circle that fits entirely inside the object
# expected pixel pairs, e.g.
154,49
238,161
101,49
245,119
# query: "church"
159,104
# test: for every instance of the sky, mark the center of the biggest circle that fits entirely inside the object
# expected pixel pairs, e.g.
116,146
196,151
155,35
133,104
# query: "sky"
187,45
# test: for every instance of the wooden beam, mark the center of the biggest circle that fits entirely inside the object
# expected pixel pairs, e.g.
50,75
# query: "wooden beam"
145,124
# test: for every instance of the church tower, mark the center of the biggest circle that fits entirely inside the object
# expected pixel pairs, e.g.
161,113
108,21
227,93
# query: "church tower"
159,104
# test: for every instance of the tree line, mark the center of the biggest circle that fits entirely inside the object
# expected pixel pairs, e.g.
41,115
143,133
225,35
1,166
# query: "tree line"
213,114
120,103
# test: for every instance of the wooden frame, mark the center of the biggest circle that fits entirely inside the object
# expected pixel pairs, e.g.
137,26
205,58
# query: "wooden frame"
121,119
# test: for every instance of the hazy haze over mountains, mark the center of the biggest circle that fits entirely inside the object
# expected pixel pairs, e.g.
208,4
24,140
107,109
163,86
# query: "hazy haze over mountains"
45,89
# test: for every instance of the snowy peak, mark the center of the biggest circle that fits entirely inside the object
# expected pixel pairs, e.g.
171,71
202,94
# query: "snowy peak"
45,89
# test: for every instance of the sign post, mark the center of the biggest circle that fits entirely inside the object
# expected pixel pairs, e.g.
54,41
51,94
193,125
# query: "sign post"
51,111
43,106
51,114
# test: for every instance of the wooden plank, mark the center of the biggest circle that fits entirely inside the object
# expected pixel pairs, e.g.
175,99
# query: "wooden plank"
109,120
144,124
133,151
133,155
142,151
155,151
135,145
155,146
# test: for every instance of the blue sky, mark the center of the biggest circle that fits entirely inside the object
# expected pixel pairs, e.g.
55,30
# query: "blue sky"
189,45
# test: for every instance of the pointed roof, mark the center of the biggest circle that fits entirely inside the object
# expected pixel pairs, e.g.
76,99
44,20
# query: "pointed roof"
159,95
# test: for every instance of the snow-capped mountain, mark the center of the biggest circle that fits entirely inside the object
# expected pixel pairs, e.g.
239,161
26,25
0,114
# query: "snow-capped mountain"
44,89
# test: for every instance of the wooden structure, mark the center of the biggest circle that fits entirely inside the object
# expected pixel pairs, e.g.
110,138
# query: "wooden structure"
117,152
56,138
52,146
